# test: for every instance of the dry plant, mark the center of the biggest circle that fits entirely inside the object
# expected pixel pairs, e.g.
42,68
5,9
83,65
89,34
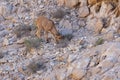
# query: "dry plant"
99,41
36,65
68,36
33,43
23,30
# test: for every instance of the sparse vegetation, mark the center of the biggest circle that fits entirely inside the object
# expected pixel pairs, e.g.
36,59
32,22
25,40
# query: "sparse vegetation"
99,41
33,67
32,43
23,30
58,13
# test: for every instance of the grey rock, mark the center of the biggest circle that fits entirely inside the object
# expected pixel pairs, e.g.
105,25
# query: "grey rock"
1,28
3,33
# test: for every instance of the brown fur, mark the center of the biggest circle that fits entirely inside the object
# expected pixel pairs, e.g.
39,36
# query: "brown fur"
47,26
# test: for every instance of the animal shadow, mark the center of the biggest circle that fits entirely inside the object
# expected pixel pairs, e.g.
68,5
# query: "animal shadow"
65,41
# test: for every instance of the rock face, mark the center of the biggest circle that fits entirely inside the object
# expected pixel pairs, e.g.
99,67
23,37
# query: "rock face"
89,50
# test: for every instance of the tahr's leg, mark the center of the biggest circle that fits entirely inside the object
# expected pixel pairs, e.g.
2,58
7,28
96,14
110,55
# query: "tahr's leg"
38,32
55,37
46,36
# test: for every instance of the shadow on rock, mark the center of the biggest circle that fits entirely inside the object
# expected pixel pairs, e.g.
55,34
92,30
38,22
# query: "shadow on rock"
65,41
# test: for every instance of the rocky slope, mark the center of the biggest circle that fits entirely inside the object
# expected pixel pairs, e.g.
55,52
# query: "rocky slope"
90,50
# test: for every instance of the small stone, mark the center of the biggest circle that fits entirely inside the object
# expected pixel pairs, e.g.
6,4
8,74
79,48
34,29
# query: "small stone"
95,70
77,74
2,9
71,58
12,40
9,8
51,76
21,41
1,27
81,23
117,39
60,74
105,65
3,60
6,42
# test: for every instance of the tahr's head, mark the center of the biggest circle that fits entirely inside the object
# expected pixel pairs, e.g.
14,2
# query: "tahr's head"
59,37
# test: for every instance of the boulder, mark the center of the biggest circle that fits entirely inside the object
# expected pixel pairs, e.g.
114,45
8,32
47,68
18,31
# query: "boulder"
71,3
83,11
68,3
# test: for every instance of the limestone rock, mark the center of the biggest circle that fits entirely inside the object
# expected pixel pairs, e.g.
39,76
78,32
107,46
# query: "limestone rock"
3,60
51,76
92,2
68,3
84,12
98,26
71,3
2,9
77,74
3,33
109,77
6,42
91,24
83,2
109,35
60,74
61,2
81,23
21,41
